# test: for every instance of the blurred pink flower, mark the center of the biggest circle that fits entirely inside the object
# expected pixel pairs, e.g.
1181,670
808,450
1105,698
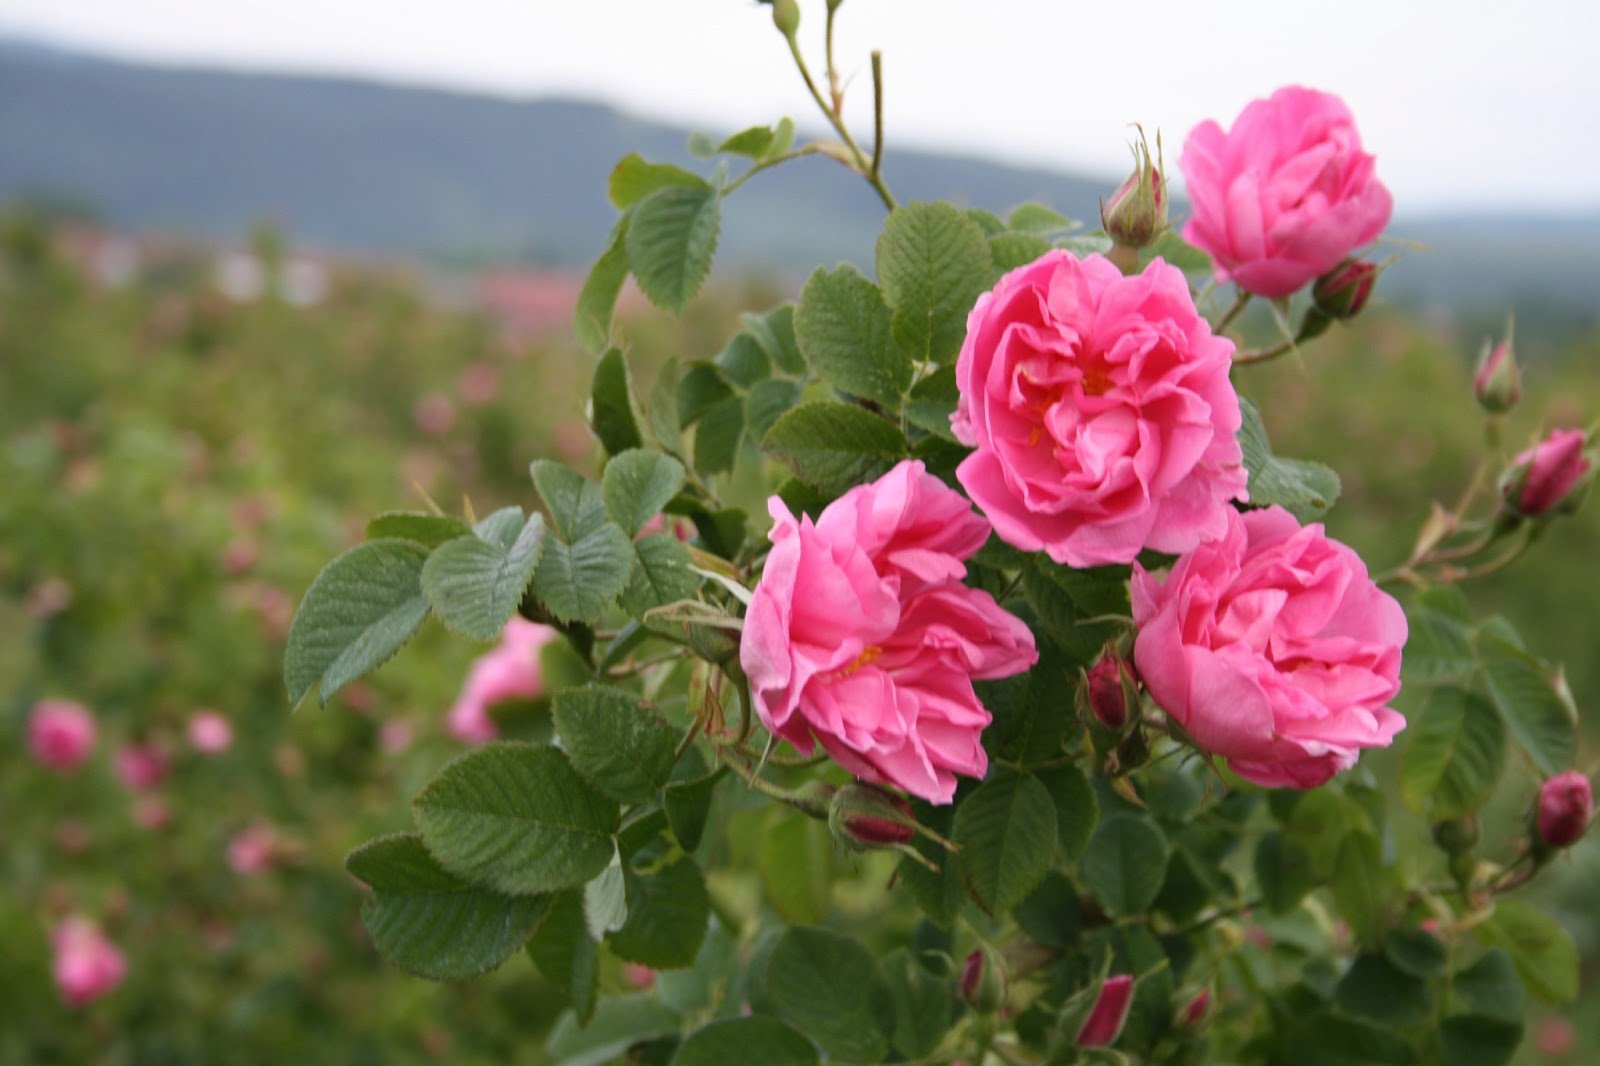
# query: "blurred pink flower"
61,734
87,965
434,414
152,813
253,849
479,383
73,836
140,767
509,672
239,556
210,733
638,976
1555,1036
395,736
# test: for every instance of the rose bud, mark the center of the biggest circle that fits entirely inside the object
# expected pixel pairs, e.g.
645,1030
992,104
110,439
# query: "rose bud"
1194,1012
1137,213
1498,382
1104,1023
87,965
1111,690
1551,476
1342,292
786,16
983,981
1458,835
1566,803
865,818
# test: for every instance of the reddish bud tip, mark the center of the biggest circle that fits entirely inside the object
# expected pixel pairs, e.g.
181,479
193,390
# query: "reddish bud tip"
1498,381
865,817
1111,690
1194,1012
1137,212
1552,476
1566,803
1343,291
1104,1023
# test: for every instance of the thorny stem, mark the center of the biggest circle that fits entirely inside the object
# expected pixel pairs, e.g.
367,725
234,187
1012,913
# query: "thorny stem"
1262,355
747,773
837,122
1233,312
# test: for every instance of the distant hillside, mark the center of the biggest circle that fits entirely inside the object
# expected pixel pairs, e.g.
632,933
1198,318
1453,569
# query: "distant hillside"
445,175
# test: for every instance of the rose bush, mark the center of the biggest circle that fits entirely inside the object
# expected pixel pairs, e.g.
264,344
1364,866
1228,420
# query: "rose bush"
1284,194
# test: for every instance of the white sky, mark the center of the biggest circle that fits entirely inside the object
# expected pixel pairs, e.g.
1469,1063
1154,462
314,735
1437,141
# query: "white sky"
1465,102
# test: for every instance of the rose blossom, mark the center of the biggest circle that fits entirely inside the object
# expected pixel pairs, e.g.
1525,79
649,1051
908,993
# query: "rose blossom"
87,965
509,672
1105,1020
861,636
1285,194
140,767
1273,648
253,849
61,734
210,733
1566,803
1101,410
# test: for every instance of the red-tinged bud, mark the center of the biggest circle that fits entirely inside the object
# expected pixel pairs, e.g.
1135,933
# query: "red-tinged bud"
786,16
1137,212
983,981
1552,477
1498,382
1104,1023
1342,292
1566,803
1194,1012
865,817
1111,690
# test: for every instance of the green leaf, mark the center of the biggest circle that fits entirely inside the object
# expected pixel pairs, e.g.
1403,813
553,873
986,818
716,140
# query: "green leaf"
1125,863
760,142
1305,489
1077,809
834,446
619,1023
701,387
671,240
431,924
743,362
516,818
1478,1041
634,178
637,484
1329,1040
611,410
843,329
1544,724
1539,948
1037,218
933,400
741,1041
937,891
766,402
502,528
1051,914
688,804
1012,250
357,613
429,530
668,909
587,560
1373,988
567,955
1178,252
1489,987
662,574
597,300
1284,871
922,1005
716,437
620,746
1438,648
1416,952
1006,829
795,859
1361,885
774,331
1064,600
1453,759
605,900
663,409
474,585
829,987
933,262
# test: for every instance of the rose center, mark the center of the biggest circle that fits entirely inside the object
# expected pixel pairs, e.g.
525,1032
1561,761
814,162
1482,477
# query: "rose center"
1096,381
869,655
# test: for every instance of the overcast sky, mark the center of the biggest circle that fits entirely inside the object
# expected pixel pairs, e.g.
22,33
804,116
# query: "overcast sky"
1467,103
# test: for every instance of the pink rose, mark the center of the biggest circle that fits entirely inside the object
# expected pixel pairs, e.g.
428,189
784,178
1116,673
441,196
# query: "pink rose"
1566,803
1544,476
210,733
253,849
1285,194
1101,410
1104,1023
1273,648
861,636
509,672
61,734
140,767
87,965
152,813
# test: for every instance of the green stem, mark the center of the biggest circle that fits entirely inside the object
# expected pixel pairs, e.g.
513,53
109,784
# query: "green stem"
877,114
1262,355
861,165
1233,312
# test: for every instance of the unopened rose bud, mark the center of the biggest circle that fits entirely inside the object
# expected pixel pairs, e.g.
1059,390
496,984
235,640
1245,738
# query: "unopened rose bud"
1551,477
786,16
1194,1012
1566,803
983,981
1342,292
1137,212
1104,1023
866,818
1457,835
1111,690
1498,382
